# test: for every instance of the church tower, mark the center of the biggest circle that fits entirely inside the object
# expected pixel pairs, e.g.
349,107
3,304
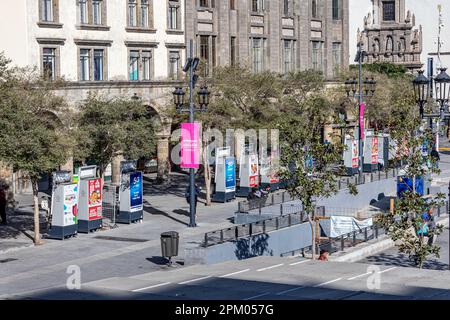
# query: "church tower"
390,35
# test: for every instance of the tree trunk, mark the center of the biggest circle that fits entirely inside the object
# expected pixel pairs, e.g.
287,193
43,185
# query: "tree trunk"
37,233
207,174
313,237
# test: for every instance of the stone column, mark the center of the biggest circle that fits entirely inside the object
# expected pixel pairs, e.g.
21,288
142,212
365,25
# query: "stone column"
163,157
115,169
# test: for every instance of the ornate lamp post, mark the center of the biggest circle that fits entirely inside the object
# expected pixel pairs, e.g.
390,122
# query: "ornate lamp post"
359,89
179,101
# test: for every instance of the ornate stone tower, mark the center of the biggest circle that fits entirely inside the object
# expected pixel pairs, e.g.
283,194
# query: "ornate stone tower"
390,36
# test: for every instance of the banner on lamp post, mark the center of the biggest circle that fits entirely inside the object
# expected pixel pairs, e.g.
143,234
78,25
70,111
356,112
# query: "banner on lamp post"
361,120
190,145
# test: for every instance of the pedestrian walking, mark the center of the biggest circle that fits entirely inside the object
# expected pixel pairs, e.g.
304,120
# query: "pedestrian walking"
196,193
3,203
435,156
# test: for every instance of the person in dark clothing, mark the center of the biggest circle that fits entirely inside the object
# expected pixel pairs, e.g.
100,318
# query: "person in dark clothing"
3,203
188,195
435,156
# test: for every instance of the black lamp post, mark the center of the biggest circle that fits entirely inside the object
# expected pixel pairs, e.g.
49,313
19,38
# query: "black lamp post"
442,81
421,86
179,101
359,89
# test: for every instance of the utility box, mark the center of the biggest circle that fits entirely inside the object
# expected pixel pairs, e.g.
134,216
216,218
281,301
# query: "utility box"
64,206
370,163
131,207
351,155
90,216
225,176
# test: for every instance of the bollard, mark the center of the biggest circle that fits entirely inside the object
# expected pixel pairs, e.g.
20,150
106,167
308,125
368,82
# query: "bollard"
236,232
365,234
221,235
273,199
281,209
250,229
289,220
282,196
206,240
354,237
371,177
342,243
276,223
439,211
376,231
379,175
259,207
339,184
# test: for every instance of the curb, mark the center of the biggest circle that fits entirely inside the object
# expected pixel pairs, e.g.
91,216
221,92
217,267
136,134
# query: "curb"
368,249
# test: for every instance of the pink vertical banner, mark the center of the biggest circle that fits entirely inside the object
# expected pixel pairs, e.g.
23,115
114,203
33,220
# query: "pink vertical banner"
361,120
190,145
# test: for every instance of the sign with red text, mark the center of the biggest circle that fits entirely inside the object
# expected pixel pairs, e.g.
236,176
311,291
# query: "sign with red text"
374,151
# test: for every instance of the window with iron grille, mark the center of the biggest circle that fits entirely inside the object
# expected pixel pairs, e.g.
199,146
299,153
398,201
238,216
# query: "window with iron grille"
389,10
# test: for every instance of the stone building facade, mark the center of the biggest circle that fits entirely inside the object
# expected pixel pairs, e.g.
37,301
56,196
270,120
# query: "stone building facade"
112,47
390,35
275,35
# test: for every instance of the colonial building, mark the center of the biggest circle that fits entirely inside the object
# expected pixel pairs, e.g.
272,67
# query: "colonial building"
280,36
113,47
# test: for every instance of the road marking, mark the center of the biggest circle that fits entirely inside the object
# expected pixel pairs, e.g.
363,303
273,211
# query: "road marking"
258,296
151,287
387,270
271,267
234,273
193,280
299,262
361,275
290,290
328,282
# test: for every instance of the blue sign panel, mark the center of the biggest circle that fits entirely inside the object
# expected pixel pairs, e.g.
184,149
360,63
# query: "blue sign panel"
136,191
230,177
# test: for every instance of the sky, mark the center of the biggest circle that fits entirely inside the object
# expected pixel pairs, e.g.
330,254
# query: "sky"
426,15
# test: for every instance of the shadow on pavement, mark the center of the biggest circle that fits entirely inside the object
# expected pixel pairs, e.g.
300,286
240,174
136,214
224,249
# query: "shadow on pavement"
402,260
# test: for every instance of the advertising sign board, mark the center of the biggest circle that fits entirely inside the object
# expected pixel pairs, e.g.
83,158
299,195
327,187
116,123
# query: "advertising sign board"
95,199
136,192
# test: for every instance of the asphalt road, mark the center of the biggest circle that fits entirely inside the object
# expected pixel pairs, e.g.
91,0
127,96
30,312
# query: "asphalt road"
264,278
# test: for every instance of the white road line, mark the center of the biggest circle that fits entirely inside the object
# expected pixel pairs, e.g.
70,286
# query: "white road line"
234,273
290,290
258,296
271,267
299,262
193,280
328,282
361,275
151,287
387,270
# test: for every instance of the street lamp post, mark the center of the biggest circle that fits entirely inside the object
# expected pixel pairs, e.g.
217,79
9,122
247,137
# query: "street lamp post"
179,100
366,88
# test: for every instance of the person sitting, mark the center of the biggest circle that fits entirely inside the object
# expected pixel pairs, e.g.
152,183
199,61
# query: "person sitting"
324,255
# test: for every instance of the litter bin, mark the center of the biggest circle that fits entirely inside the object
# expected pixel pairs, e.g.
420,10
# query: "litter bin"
169,244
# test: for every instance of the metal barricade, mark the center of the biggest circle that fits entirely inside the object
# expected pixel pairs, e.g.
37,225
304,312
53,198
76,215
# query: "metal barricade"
110,206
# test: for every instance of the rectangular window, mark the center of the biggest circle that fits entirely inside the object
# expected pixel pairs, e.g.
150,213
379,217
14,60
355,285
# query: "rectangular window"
134,65
288,56
146,59
336,58
49,63
257,5
98,65
317,56
286,7
47,10
206,3
336,10
144,13
85,65
258,54
233,51
132,13
97,12
389,10
314,9
173,17
174,64
83,11
232,5
204,52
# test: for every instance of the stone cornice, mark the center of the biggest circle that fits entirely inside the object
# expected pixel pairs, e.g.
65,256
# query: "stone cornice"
89,42
141,44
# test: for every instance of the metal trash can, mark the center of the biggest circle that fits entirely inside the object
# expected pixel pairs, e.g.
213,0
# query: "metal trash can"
169,244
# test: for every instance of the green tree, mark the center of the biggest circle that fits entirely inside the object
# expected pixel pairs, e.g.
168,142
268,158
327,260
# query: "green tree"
311,166
107,128
33,130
